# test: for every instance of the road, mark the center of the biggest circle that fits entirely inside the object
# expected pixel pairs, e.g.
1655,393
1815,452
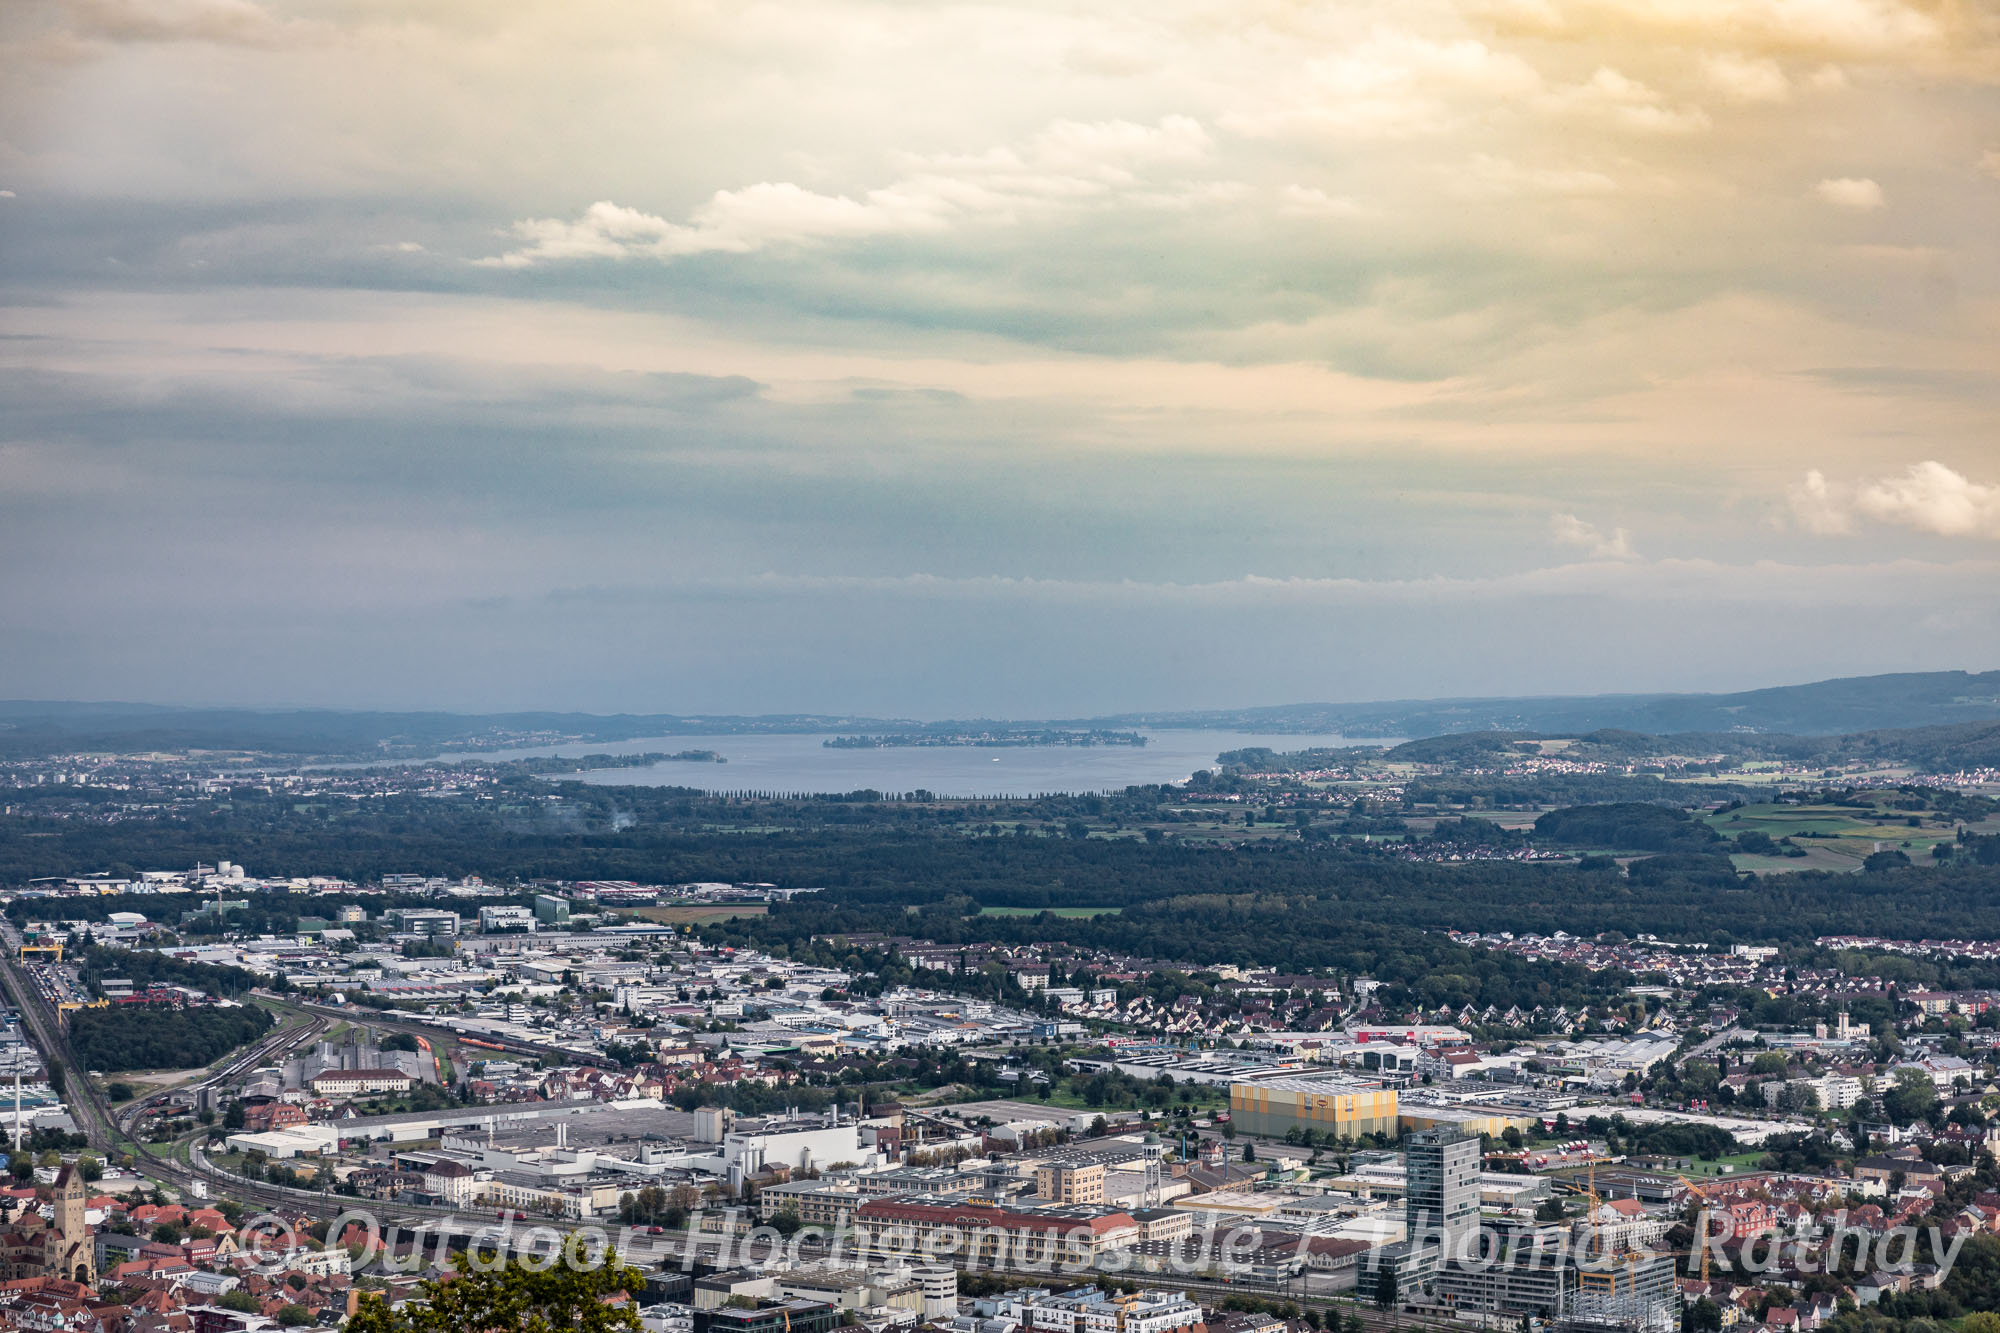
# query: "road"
1718,1041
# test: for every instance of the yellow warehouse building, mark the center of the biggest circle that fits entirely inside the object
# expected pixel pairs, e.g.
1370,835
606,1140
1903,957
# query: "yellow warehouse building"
1335,1107
1350,1107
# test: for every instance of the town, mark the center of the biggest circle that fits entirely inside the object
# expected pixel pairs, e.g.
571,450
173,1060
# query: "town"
815,1136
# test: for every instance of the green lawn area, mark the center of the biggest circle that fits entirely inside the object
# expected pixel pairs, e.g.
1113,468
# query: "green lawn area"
1743,1161
1057,911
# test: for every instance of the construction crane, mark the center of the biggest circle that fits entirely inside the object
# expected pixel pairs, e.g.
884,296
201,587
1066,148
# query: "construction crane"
1594,1200
1699,1237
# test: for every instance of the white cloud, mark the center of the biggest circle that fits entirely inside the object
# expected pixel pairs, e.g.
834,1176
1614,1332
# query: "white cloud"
6,194
1818,507
1930,497
1877,29
1989,162
1628,104
1492,175
1308,201
1570,530
1746,79
1068,165
1857,194
1391,85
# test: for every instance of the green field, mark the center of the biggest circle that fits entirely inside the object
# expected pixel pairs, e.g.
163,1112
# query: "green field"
1833,837
1053,911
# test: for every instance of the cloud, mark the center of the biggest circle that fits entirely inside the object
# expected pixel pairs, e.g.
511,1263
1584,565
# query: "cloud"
221,22
1933,498
1989,162
1627,104
1866,29
1308,201
1857,194
1746,79
1389,86
1930,497
1570,530
1491,175
1068,165
1817,507
6,194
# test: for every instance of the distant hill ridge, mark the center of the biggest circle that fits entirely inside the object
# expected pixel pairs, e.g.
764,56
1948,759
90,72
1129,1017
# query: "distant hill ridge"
1823,708
1855,704
1957,747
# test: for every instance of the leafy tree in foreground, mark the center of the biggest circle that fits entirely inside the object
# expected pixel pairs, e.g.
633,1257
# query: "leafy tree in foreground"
513,1297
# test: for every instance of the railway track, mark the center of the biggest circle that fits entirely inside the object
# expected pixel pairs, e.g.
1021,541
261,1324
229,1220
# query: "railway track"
112,1132
427,1027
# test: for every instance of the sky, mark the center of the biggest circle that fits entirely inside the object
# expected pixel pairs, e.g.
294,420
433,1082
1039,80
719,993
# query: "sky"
926,358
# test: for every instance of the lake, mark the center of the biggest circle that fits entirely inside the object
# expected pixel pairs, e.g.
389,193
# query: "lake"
792,765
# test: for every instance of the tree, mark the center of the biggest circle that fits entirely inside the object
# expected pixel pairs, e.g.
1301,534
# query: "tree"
294,1316
564,1299
238,1299
1911,1099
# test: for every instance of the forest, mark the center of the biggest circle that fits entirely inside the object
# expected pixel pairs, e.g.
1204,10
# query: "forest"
1321,891
1282,901
1310,897
150,1036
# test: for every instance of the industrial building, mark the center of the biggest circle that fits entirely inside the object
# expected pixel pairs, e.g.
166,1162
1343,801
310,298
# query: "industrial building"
1334,1105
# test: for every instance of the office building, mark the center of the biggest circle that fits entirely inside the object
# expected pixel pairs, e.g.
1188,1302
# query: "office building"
1441,1198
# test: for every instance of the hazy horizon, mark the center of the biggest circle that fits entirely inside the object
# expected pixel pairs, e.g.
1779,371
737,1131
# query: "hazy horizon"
952,360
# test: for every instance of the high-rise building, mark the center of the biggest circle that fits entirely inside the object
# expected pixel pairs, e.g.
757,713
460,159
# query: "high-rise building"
1441,1196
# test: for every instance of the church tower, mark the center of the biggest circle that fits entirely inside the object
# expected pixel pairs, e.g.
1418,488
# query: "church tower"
71,1254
